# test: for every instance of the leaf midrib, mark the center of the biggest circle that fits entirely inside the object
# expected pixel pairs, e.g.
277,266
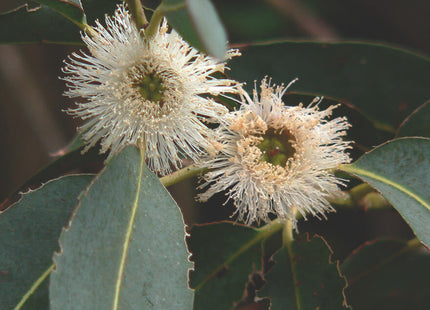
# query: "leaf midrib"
358,171
128,236
409,246
261,234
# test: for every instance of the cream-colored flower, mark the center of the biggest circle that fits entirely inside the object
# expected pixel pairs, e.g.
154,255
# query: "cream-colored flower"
135,89
277,159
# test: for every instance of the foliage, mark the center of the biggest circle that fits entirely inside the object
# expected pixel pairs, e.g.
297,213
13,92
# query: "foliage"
118,239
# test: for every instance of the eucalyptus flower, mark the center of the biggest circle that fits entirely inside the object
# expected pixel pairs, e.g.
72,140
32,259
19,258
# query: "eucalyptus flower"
149,91
277,159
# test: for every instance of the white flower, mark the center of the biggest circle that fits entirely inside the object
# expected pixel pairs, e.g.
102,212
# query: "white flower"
137,90
277,159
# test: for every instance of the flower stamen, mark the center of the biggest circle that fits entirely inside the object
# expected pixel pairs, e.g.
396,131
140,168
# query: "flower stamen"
151,88
277,147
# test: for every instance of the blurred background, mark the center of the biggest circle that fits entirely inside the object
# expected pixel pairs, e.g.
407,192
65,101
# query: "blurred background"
33,127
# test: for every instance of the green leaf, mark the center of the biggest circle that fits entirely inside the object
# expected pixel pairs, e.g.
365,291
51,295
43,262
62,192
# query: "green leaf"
37,25
68,160
354,73
198,23
225,255
304,278
400,170
29,232
388,274
71,9
125,248
45,23
97,9
417,124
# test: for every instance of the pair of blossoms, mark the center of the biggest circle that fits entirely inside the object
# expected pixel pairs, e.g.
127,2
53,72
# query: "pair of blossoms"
152,92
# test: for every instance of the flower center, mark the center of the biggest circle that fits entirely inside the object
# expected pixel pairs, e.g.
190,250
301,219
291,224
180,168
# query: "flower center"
151,88
277,147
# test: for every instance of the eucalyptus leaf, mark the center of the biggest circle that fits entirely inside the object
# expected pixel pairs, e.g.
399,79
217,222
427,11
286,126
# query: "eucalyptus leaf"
125,247
400,170
53,21
358,74
198,23
71,9
29,232
305,278
67,160
417,124
97,9
37,25
388,274
225,255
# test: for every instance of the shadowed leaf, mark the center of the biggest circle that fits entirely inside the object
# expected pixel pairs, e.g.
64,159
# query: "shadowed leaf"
45,24
417,124
29,232
71,9
359,74
388,274
37,25
304,278
225,255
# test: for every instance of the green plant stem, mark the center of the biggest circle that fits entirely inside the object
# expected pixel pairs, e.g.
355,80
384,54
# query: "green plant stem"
362,195
360,191
156,19
137,13
158,16
287,234
181,175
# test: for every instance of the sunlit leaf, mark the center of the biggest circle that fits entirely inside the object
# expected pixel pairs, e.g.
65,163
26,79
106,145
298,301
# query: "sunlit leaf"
400,170
388,274
125,248
29,232
198,23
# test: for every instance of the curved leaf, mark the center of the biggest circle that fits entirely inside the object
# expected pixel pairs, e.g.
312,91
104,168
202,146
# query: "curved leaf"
388,274
355,73
417,124
125,248
67,160
29,232
97,9
71,9
304,278
225,255
400,170
45,24
37,25
198,23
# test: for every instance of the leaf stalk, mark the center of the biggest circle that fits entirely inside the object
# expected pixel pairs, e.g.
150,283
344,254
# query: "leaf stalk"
137,13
